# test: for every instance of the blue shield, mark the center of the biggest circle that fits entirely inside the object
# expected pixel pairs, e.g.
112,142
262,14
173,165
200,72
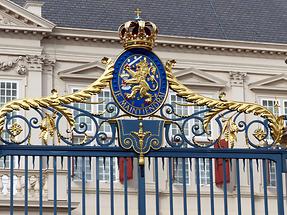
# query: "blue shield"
151,134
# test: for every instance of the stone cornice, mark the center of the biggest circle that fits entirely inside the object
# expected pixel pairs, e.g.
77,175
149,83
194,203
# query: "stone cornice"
269,84
215,46
210,46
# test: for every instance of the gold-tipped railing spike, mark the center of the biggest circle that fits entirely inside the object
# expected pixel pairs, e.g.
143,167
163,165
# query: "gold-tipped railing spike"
276,123
54,101
141,135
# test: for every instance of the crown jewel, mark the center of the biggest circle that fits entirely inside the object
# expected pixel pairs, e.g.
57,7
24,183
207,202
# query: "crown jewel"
138,33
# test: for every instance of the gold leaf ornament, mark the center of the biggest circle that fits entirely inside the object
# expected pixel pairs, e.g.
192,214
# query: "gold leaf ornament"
230,131
15,130
259,134
55,101
47,127
276,124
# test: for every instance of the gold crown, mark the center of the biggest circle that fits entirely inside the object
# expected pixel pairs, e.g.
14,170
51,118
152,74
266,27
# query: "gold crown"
138,33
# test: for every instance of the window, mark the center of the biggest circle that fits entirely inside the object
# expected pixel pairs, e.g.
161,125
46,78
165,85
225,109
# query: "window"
200,123
278,106
188,110
181,111
271,104
104,169
78,165
271,174
82,119
8,92
204,171
177,171
177,163
285,107
105,97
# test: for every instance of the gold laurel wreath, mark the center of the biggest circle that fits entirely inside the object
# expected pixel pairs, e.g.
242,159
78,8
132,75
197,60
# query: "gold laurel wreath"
54,101
275,123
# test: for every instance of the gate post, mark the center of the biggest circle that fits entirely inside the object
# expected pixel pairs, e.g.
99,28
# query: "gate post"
141,190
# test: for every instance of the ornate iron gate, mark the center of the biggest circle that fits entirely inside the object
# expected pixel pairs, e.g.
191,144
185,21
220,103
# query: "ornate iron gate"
173,196
188,157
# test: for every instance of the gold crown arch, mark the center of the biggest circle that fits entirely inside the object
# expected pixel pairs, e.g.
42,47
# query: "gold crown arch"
139,33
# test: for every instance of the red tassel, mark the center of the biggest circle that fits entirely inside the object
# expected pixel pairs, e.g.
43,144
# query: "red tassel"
219,179
129,169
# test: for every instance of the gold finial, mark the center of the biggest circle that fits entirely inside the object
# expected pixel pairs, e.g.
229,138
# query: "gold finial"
141,135
138,13
222,96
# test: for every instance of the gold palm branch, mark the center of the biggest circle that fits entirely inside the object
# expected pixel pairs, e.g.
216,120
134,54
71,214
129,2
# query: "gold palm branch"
54,101
275,123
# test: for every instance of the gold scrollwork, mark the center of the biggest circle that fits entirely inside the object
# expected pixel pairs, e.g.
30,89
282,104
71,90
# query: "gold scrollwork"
155,142
128,141
54,101
276,123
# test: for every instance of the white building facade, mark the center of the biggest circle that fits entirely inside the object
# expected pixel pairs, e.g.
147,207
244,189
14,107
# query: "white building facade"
37,56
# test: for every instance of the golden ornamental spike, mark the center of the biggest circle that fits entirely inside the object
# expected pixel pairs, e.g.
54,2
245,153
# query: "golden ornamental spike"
141,135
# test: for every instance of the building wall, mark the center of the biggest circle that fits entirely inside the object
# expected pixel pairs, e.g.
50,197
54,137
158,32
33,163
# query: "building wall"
67,58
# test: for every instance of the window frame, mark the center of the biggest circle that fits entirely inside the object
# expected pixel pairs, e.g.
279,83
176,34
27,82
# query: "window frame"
206,169
281,100
18,95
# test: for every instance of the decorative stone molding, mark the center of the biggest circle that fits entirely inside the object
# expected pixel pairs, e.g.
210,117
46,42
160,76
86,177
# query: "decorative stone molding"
199,78
22,70
40,59
88,71
19,62
237,78
36,62
23,63
275,83
5,20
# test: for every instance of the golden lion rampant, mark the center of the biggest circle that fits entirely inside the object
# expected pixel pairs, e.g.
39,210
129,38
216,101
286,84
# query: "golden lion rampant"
139,78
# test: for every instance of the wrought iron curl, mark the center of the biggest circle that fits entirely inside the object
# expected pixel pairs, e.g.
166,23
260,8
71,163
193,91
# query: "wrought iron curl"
14,129
55,101
34,121
275,123
177,140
